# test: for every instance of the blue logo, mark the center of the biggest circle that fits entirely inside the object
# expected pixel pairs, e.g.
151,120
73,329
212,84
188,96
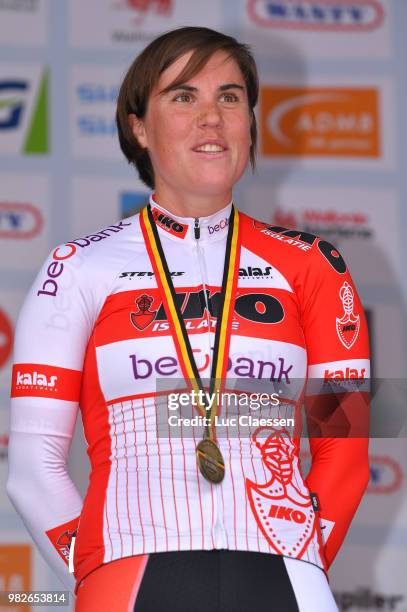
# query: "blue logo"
97,122
13,104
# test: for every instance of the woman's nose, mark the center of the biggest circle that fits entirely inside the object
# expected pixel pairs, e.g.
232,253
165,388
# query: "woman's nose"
210,116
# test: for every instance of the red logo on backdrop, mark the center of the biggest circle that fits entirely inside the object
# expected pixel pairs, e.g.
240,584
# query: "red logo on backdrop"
285,219
323,15
278,501
348,326
6,338
162,8
144,316
22,221
386,474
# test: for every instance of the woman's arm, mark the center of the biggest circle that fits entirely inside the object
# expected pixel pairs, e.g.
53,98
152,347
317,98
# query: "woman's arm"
44,495
337,408
51,336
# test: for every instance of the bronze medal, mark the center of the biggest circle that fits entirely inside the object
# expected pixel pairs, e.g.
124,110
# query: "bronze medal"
210,460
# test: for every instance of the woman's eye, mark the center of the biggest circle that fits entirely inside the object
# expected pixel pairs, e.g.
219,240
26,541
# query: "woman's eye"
230,97
183,98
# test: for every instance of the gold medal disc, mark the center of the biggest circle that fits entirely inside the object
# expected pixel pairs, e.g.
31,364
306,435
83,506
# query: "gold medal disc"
210,460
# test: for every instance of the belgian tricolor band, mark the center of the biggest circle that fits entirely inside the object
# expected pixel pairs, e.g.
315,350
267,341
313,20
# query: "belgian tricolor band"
209,456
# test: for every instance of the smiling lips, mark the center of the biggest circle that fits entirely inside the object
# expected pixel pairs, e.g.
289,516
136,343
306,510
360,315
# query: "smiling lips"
210,147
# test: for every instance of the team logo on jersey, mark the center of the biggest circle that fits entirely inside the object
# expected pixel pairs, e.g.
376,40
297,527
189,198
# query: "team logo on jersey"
348,326
168,224
64,542
279,501
144,316
150,274
35,379
61,537
250,272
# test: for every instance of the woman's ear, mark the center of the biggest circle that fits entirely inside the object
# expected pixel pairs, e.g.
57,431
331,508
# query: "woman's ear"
137,127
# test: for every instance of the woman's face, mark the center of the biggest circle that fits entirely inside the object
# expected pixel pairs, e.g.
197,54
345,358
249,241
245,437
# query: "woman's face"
197,135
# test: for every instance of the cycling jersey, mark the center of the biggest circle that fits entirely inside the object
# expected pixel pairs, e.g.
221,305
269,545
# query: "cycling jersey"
93,333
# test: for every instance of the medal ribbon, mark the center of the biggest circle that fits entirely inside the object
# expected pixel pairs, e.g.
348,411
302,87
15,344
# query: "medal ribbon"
172,309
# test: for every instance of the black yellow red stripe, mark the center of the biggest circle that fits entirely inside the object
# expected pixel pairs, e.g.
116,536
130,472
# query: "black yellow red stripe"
177,325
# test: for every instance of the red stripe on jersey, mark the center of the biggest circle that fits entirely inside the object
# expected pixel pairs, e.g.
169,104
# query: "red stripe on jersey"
40,380
126,315
89,545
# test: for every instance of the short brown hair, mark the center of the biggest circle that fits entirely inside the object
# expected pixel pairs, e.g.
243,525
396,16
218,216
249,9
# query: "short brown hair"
145,72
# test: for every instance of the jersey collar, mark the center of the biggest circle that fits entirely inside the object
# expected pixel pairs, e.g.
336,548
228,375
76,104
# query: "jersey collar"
212,227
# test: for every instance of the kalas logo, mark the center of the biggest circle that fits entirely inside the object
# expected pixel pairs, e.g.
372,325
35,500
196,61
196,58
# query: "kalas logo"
250,272
6,338
322,15
322,121
35,379
345,374
386,475
20,221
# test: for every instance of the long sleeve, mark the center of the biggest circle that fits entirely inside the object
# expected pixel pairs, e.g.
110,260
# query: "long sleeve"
45,497
50,343
337,405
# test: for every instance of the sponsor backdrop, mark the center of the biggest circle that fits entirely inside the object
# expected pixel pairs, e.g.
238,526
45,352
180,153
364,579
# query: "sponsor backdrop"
333,137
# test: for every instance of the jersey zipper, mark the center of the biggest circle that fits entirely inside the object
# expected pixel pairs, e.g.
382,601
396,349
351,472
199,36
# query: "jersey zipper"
219,532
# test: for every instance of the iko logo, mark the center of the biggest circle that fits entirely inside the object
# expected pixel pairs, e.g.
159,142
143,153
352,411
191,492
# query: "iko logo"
170,225
357,15
286,513
20,221
250,272
218,226
55,268
35,379
254,307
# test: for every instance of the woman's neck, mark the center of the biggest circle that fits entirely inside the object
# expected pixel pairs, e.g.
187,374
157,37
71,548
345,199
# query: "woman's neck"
191,205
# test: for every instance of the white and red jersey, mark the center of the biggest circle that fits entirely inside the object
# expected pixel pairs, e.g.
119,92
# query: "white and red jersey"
93,333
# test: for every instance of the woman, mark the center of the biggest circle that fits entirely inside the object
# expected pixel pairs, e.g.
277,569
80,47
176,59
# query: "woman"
189,288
